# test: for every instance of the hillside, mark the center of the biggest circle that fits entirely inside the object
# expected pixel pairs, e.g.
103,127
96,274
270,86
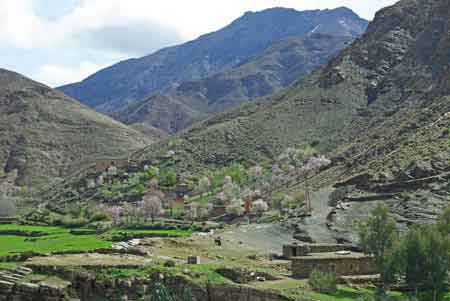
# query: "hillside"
387,76
246,37
380,110
278,67
45,134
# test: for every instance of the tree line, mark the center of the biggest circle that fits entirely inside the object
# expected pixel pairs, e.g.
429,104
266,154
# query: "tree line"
419,258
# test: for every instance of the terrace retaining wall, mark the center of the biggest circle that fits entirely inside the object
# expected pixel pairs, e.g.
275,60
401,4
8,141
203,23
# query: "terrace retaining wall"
31,292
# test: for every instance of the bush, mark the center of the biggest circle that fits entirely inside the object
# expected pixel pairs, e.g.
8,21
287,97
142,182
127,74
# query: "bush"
98,216
83,232
71,222
167,178
321,282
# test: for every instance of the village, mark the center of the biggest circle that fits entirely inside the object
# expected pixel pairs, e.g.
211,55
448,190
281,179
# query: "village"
221,213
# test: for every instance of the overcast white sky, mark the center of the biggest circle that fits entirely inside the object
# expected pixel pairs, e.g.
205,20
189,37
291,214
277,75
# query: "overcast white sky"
63,41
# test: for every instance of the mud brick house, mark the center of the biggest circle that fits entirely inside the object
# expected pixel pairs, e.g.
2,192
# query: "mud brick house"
342,263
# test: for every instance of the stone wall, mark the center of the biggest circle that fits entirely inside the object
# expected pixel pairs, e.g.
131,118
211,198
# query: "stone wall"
86,287
345,266
31,292
240,293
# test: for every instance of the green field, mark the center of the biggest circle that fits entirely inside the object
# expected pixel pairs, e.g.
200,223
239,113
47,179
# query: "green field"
56,239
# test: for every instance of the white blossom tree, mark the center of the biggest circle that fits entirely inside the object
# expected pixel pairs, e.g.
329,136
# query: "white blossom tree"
230,190
112,171
151,206
114,213
260,206
236,207
317,162
204,185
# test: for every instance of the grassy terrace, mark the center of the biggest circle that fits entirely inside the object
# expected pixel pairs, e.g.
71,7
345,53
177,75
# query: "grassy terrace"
200,274
51,239
46,239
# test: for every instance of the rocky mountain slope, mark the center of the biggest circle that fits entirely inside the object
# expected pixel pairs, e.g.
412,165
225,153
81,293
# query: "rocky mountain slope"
380,110
44,134
279,66
394,73
210,54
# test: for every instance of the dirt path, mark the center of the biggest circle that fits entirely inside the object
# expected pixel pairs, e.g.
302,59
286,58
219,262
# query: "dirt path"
268,238
315,225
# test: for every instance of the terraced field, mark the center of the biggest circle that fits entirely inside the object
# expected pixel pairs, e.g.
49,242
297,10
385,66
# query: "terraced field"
16,239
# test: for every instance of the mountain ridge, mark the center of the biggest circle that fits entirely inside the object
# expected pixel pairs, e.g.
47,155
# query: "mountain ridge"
215,52
277,68
368,81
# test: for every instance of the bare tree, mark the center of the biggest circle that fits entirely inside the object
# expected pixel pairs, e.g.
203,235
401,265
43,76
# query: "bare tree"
115,212
235,208
260,206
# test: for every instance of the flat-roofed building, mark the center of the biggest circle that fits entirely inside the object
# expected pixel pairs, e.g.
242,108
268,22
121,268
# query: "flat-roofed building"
342,263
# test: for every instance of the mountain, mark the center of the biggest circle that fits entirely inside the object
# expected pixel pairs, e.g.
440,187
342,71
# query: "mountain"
162,112
396,71
44,134
278,67
380,110
246,37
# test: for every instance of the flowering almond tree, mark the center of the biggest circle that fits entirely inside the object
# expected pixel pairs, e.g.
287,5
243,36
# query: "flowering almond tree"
151,206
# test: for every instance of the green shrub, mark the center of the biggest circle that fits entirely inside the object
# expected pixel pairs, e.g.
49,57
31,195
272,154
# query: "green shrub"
74,222
98,217
322,282
167,178
152,172
83,232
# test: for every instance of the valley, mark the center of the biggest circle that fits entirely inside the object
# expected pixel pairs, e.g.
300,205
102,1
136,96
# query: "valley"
290,155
